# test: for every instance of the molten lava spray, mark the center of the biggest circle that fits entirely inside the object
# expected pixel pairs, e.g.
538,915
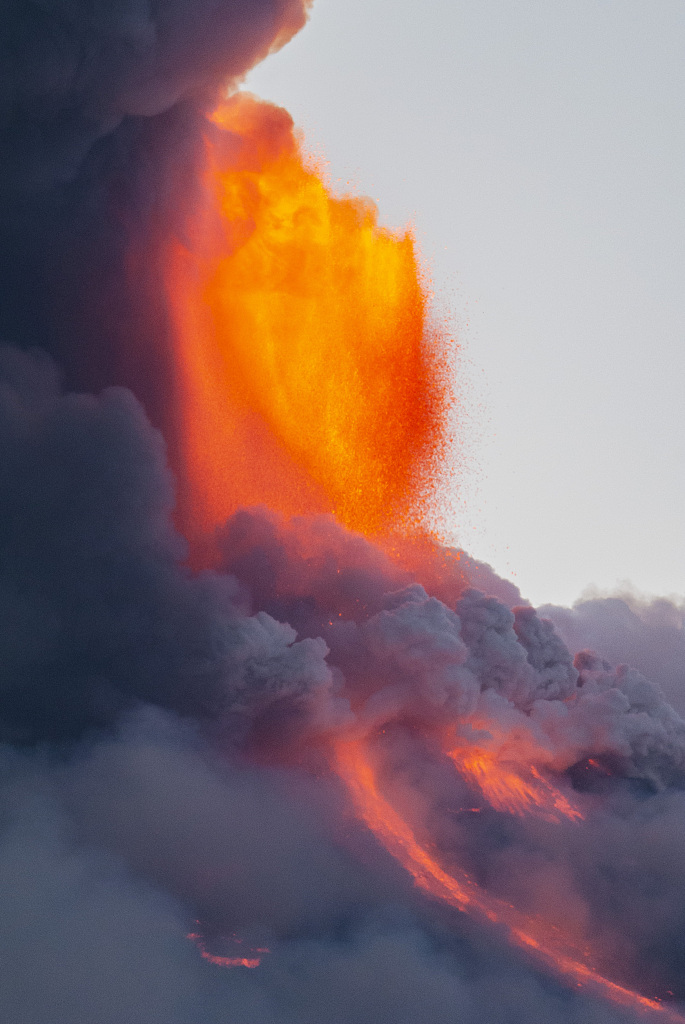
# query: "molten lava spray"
309,376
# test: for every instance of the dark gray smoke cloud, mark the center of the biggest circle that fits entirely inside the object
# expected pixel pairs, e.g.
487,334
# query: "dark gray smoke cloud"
74,71
101,110
98,612
137,696
109,857
164,735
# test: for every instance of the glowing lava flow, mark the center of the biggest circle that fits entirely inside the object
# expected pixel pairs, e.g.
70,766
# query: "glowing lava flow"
513,788
225,961
309,376
459,890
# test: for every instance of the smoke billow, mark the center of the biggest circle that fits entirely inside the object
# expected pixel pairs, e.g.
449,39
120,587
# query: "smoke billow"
168,736
647,634
101,111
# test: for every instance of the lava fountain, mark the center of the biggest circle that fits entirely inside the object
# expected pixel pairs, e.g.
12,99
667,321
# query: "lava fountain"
310,376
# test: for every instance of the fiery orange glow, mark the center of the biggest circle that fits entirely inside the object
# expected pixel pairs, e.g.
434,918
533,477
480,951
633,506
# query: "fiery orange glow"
309,377
516,789
225,961
569,961
231,961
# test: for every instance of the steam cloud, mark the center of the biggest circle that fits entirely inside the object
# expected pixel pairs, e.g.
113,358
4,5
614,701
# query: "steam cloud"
162,732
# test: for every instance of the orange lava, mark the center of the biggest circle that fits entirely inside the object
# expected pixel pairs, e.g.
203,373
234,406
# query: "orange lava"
231,961
515,789
457,888
309,377
224,961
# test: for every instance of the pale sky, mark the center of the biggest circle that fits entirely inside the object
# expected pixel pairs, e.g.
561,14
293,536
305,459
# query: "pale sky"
538,148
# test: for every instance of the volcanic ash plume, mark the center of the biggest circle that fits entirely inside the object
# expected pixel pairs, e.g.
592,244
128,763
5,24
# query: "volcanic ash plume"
271,754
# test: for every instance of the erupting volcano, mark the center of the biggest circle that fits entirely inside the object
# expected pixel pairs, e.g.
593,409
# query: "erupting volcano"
274,753
310,378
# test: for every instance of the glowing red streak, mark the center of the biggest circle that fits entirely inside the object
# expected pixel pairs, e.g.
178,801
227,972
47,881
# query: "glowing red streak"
460,891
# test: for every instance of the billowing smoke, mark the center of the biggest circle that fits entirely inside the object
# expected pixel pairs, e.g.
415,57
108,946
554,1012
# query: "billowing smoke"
647,634
177,745
101,110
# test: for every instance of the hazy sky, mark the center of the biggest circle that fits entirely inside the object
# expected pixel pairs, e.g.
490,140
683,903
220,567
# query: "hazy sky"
539,149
